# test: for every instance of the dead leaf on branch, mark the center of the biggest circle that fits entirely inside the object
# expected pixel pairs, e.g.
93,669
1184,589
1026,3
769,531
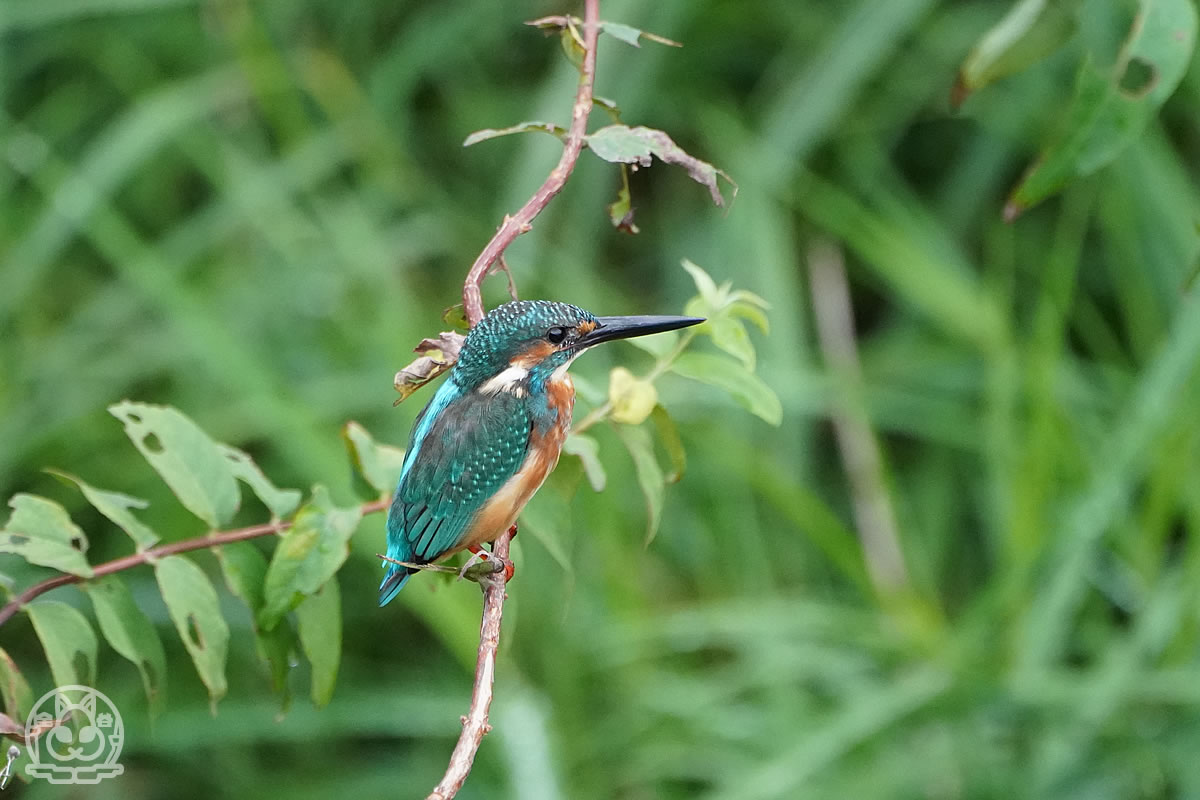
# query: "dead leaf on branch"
16,731
437,356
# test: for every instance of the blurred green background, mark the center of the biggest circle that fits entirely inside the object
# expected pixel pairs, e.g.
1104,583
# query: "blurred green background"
253,211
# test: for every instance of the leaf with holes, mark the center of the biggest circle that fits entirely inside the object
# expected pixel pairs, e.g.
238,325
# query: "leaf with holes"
587,450
1111,107
649,474
245,569
632,398
117,508
620,144
190,462
68,639
192,603
744,386
308,554
378,464
131,634
280,502
41,532
319,622
531,126
14,689
1030,31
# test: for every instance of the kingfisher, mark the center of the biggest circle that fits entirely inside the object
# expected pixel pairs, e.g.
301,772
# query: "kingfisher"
494,429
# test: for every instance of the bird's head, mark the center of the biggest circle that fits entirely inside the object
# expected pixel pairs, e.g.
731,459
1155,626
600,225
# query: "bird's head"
524,342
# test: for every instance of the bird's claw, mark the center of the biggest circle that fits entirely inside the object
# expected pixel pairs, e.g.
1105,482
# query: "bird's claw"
479,555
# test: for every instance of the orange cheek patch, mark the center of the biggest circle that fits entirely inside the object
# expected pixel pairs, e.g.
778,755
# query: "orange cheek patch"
534,355
586,327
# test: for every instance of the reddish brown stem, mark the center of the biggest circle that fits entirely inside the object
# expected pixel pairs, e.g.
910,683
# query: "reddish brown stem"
161,551
475,724
522,221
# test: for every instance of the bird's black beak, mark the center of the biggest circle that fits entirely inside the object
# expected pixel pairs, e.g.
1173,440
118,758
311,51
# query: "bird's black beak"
609,328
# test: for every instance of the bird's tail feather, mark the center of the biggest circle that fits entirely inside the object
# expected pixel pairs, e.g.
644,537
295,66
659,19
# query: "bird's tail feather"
393,582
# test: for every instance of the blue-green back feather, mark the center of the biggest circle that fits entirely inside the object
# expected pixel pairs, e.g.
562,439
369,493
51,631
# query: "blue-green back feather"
464,447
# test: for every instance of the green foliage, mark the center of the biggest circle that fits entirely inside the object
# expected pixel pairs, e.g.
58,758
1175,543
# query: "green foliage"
41,532
130,632
195,610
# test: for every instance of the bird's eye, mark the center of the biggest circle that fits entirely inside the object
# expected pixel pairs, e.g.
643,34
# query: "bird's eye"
556,335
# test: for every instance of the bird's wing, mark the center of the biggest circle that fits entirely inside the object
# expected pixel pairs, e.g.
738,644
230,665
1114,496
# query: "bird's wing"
473,446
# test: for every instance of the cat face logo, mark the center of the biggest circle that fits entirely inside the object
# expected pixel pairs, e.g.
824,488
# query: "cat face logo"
79,742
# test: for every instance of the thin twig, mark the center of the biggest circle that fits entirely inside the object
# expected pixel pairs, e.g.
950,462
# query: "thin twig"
522,221
502,266
475,724
873,513
161,551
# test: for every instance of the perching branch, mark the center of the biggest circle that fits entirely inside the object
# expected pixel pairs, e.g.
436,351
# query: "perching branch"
161,551
475,724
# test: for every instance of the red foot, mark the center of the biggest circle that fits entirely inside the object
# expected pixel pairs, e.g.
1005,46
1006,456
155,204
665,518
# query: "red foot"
509,569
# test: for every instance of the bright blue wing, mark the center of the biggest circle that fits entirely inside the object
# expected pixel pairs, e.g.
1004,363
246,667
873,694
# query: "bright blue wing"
464,448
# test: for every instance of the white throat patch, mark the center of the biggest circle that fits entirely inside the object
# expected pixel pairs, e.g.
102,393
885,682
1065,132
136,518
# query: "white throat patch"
560,373
507,381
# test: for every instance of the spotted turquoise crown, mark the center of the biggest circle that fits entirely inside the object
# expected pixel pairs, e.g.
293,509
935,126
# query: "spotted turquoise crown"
509,330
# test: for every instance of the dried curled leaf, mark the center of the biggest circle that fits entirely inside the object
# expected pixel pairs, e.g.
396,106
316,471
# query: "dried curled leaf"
621,144
437,356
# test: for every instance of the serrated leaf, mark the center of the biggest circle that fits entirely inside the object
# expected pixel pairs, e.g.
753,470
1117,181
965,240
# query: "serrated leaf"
66,637
319,622
1107,113
190,462
14,689
668,434
649,474
1030,31
530,126
632,398
192,603
587,450
620,144
744,386
41,532
116,507
131,634
307,556
280,502
245,570
378,464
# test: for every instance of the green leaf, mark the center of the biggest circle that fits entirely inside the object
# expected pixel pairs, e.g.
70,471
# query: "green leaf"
744,386
307,556
531,126
632,398
649,474
131,634
280,502
190,462
630,35
668,434
14,689
749,311
66,637
456,317
245,570
1030,31
192,603
319,621
378,464
659,345
587,450
705,285
116,507
1111,107
620,144
730,335
620,211
41,532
